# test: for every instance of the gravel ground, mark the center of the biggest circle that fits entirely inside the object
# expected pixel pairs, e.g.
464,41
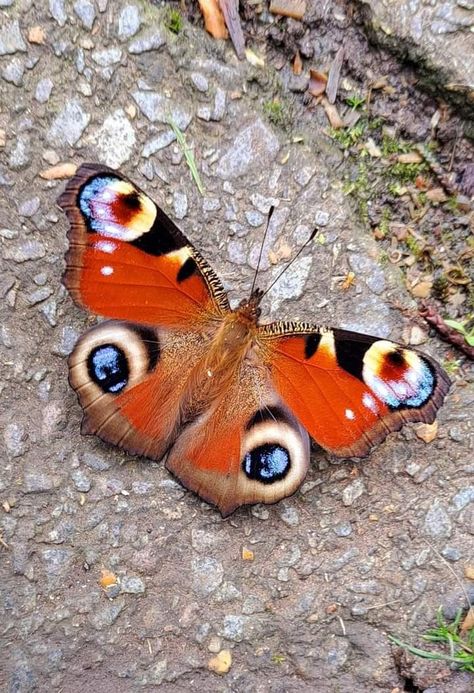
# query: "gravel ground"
302,593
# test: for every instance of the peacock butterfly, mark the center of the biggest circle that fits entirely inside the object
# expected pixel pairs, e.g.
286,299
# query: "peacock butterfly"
230,401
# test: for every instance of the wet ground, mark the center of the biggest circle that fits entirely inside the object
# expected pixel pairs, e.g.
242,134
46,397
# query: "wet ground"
303,593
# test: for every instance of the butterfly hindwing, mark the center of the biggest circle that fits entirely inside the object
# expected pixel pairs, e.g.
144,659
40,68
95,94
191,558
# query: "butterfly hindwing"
128,260
350,390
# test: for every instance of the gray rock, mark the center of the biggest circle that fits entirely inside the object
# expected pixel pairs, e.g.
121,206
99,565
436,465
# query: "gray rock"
69,124
338,653
81,481
254,146
15,438
132,585
85,10
95,462
353,491
343,529
233,627
366,587
303,175
290,516
340,562
115,139
152,41
105,616
39,295
20,156
105,57
28,250
321,218
66,341
37,482
437,523
463,498
369,271
57,561
207,575
160,142
11,39
210,204
129,22
58,11
291,285
204,113
237,252
13,72
199,81
180,204
29,207
44,89
254,218
451,553
157,108
219,105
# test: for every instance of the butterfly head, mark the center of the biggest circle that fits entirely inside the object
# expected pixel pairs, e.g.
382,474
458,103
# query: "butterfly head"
249,308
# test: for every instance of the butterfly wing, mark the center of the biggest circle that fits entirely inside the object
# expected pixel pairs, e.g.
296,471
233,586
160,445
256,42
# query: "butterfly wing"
128,260
246,448
351,390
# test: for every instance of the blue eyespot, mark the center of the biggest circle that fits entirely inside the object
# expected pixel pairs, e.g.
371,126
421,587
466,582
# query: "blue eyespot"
108,368
267,463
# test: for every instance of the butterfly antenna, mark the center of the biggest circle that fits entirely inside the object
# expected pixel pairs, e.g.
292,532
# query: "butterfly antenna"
270,213
305,244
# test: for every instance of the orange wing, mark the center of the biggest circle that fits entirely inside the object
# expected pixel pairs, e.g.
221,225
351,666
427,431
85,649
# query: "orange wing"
350,390
128,260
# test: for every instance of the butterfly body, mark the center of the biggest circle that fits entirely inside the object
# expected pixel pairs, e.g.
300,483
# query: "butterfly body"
229,400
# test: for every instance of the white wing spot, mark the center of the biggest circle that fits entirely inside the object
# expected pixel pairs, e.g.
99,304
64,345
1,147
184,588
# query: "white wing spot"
369,402
349,414
107,270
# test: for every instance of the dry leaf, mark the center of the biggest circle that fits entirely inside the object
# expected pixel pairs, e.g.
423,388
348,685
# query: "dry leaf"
221,663
427,432
469,572
6,506
3,138
288,8
421,290
213,18
247,554
372,149
58,172
410,158
230,10
348,281
332,113
334,75
436,195
36,34
317,82
297,64
468,622
253,58
107,578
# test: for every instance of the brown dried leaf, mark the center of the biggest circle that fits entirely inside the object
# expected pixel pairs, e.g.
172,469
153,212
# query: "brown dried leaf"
221,663
436,195
427,432
213,19
297,64
247,554
36,34
469,573
317,82
333,114
59,172
410,158
421,290
288,8
468,622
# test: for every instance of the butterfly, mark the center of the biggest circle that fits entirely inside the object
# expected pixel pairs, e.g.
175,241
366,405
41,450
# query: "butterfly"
230,401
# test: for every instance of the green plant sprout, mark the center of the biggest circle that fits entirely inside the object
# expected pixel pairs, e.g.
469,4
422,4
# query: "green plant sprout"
188,155
461,328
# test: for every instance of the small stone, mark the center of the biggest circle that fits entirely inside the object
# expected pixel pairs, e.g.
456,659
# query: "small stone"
370,271
204,113
290,516
37,482
321,218
44,89
129,22
211,204
437,523
20,156
28,250
39,295
150,42
233,628
451,553
13,72
180,204
95,462
207,575
58,11
463,498
115,139
29,207
215,644
36,34
343,529
15,438
291,285
11,40
221,663
199,81
304,175
254,218
85,10
255,145
69,124
106,616
160,142
237,252
106,57
132,585
51,157
157,107
219,105
81,481
353,491
367,587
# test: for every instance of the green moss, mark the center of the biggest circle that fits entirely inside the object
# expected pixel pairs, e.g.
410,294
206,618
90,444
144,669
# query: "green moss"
355,101
173,20
405,173
385,221
413,246
390,145
278,113
348,137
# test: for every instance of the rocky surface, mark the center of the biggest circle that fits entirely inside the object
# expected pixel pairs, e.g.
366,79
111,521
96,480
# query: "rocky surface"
302,593
438,36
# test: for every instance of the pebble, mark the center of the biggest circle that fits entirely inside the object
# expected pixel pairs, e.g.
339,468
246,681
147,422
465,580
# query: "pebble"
15,438
149,42
208,574
69,124
292,284
254,218
156,143
58,11
290,516
85,10
180,204
367,269
37,482
233,627
437,523
132,585
366,587
13,72
204,113
11,39
343,529
105,57
28,250
219,105
303,175
39,295
211,204
115,139
157,107
199,81
81,481
44,89
29,207
254,146
129,22
451,553
20,156
463,498
107,615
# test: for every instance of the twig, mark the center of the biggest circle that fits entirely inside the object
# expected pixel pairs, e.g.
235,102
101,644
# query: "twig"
433,318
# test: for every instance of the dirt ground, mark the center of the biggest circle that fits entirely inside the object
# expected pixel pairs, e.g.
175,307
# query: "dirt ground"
303,593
